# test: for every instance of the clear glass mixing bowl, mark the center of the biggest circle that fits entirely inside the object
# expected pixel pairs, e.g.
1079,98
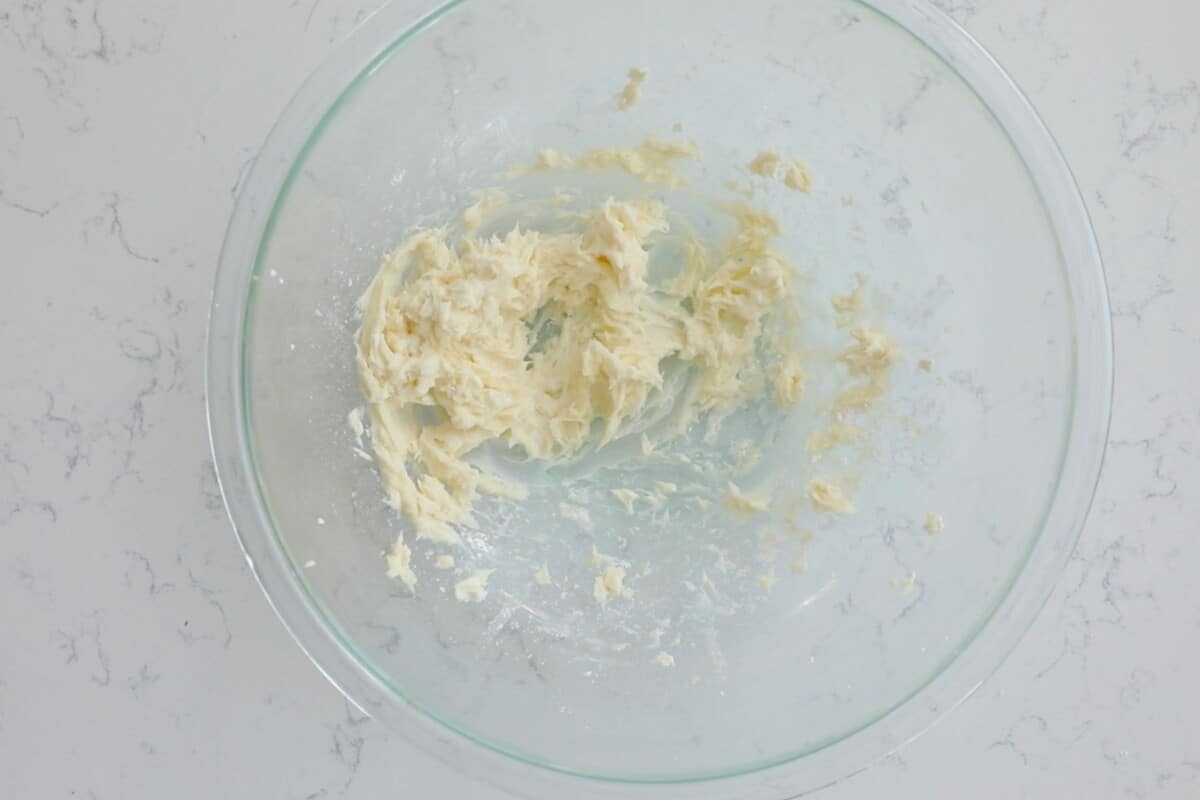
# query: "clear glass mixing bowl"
932,174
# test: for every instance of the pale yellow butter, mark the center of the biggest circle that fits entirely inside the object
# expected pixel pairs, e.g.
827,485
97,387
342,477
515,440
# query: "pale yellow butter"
610,584
633,89
791,172
789,378
486,202
767,581
399,565
818,443
453,328
651,162
474,588
625,497
870,356
747,503
829,497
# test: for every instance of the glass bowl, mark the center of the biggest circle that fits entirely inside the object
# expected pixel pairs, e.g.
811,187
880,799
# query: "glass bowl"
931,174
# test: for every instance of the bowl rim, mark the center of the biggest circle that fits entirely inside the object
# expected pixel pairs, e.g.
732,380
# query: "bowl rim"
979,656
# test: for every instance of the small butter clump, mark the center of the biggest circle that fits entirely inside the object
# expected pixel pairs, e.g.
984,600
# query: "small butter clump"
633,89
792,172
846,305
610,584
818,443
625,497
905,584
399,565
486,202
870,357
473,589
788,377
767,581
747,503
651,162
829,497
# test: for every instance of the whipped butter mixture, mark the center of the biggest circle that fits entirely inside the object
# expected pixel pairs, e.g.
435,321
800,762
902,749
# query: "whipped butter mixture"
550,343
553,344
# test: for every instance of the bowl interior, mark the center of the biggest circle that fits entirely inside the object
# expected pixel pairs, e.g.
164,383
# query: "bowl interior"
914,184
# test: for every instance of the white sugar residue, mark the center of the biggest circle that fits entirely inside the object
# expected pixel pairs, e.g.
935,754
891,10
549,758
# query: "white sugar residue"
577,514
355,420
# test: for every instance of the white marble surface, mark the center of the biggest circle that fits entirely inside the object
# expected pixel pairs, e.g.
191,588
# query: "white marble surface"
139,658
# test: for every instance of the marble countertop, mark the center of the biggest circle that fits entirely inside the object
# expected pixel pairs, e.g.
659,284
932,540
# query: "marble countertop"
139,657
